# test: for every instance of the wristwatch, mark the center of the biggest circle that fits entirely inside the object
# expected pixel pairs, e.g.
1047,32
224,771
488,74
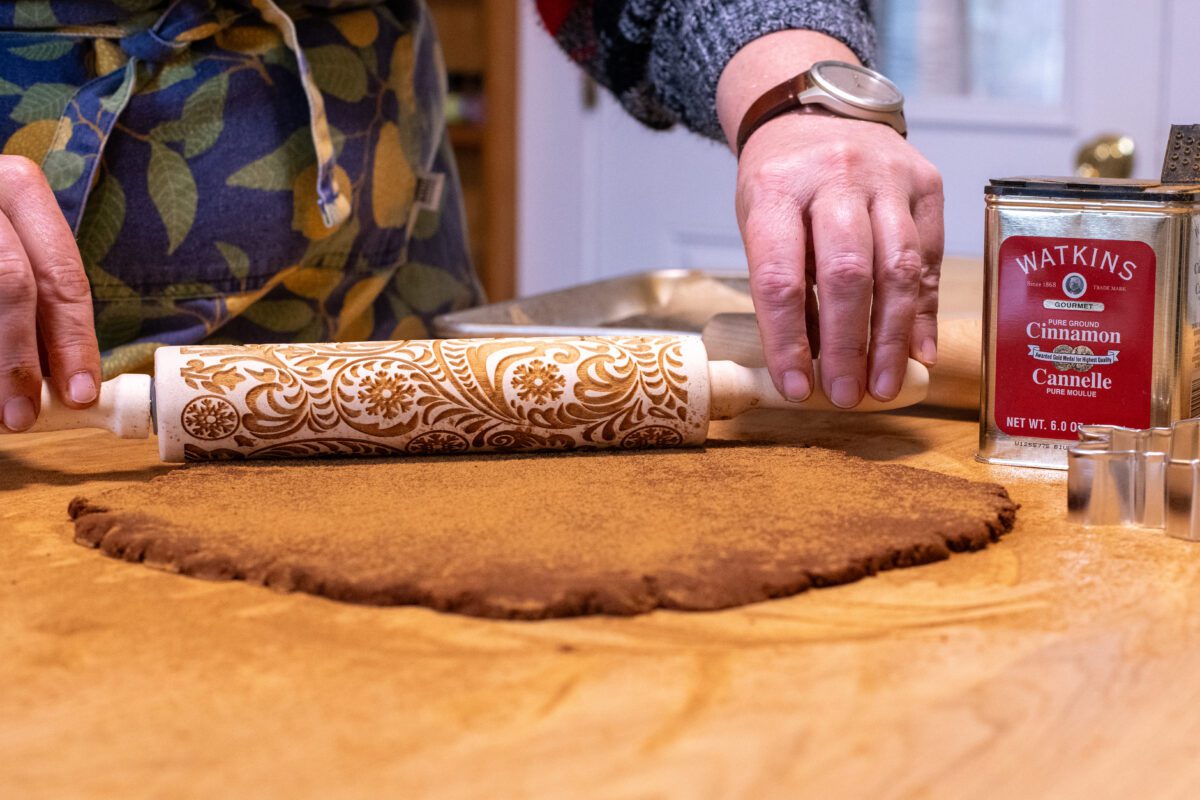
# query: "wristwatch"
845,90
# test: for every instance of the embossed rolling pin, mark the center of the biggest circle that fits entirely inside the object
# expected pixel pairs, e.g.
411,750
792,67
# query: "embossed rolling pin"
438,396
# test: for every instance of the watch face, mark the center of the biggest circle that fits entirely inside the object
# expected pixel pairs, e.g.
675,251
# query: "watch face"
857,85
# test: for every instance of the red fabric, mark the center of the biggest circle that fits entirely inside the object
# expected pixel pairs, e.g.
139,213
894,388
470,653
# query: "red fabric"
554,13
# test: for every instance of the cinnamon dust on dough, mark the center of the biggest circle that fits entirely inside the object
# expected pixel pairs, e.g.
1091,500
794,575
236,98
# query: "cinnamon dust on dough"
533,536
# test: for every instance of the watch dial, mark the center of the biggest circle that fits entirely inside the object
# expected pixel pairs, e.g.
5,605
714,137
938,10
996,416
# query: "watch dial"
859,85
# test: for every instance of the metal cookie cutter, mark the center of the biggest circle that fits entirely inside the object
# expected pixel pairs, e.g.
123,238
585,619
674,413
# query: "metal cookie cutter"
1146,478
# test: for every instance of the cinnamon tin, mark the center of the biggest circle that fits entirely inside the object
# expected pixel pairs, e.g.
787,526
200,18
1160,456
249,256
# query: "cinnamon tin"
1091,312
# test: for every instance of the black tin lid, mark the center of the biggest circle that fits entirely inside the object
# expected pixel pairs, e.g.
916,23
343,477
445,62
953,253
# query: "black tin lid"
1093,189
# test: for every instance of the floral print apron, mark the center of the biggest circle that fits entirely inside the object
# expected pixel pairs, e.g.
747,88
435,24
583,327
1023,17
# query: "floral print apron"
242,170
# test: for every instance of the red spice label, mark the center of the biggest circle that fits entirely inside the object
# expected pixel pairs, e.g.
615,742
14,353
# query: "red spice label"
1074,341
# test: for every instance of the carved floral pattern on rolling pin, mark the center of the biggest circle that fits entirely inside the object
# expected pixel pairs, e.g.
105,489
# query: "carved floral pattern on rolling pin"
210,418
652,436
447,396
386,395
538,382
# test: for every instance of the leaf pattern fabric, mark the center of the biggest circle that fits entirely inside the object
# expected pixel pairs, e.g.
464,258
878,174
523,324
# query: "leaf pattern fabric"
241,170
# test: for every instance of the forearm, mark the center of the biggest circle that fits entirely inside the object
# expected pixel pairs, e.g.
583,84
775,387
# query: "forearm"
766,62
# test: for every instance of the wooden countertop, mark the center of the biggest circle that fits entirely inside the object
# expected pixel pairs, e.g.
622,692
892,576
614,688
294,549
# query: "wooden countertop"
1061,662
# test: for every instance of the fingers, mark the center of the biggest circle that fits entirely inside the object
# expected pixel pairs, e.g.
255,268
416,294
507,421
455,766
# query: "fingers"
812,315
63,298
927,215
898,268
872,207
775,243
842,239
20,372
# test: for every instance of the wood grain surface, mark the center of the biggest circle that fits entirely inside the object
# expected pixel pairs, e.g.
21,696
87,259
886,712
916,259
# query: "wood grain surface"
1063,662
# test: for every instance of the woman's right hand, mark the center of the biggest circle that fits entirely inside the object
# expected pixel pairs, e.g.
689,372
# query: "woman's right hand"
43,290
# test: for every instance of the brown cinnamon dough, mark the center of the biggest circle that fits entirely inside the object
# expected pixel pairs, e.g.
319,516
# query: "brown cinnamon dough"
533,536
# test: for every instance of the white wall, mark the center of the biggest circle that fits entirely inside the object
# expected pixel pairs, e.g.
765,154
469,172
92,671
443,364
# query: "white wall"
550,133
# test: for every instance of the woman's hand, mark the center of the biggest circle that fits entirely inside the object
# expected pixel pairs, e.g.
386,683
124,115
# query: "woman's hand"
850,208
842,206
43,289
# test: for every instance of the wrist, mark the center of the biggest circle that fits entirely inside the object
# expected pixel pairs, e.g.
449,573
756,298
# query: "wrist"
846,90
767,62
809,126
804,120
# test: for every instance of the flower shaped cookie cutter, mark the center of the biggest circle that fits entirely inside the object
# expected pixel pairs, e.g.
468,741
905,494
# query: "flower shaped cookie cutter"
1143,478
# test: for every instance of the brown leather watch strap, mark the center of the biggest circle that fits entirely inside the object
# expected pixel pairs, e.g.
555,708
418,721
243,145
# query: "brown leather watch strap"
777,100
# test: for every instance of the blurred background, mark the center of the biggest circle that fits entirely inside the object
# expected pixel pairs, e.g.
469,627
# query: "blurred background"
563,187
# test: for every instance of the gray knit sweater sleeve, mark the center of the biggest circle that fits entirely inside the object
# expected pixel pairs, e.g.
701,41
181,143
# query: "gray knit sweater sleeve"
662,58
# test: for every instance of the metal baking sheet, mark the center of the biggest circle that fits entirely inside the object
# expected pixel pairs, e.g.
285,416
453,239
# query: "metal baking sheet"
659,301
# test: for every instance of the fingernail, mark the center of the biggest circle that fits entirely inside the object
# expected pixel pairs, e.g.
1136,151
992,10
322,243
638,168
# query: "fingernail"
81,388
845,392
19,415
929,352
887,384
796,386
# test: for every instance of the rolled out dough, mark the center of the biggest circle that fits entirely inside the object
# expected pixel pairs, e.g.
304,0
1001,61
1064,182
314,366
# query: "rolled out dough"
533,536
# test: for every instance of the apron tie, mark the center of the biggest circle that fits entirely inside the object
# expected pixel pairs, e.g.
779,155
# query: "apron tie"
149,45
334,204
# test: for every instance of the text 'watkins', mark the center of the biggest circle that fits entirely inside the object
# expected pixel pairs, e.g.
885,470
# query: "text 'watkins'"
1078,255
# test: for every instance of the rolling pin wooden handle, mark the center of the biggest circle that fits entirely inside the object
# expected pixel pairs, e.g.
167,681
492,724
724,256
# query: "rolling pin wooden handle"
122,408
735,389
953,380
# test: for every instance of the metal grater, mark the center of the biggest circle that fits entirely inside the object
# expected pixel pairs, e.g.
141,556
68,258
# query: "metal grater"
1181,162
